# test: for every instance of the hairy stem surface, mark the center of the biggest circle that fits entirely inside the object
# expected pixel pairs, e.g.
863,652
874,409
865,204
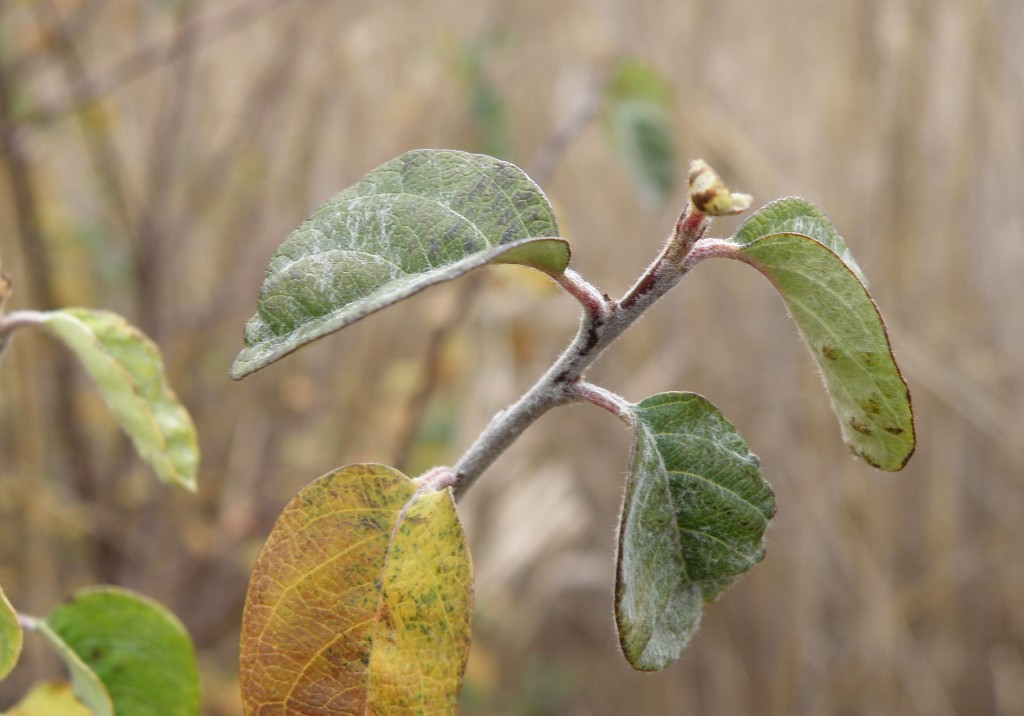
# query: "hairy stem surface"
603,321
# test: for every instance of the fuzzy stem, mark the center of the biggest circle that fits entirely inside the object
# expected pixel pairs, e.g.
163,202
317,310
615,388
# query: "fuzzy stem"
26,622
593,301
604,399
602,323
14,320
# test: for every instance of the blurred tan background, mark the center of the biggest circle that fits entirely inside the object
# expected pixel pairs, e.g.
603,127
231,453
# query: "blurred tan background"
154,154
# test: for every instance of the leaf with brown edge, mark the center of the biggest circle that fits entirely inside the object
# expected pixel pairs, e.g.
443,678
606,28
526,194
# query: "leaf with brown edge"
359,601
841,325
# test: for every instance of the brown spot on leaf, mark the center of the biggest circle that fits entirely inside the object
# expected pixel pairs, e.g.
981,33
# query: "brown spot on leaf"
829,352
859,427
892,430
870,406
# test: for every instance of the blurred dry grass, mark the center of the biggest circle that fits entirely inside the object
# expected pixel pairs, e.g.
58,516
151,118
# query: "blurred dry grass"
155,153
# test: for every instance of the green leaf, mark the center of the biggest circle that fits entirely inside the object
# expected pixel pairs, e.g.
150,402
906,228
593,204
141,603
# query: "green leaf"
425,217
795,215
138,650
129,373
632,79
845,332
50,699
10,637
486,107
693,520
84,681
359,601
637,115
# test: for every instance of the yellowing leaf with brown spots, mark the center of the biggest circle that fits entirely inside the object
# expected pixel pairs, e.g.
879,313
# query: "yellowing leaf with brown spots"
359,602
794,245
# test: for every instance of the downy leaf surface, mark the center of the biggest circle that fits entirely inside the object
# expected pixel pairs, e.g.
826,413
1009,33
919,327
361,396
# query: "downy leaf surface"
795,247
360,601
693,519
425,217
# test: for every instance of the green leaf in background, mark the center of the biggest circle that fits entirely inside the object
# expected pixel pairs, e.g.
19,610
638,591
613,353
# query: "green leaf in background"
50,699
10,636
693,520
359,601
840,324
138,650
129,373
425,217
84,681
487,109
637,115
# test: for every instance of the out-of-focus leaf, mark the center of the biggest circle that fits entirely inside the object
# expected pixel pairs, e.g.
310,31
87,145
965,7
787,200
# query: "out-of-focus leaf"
50,699
631,79
10,636
360,601
487,108
84,681
129,373
425,217
637,114
693,520
840,324
138,650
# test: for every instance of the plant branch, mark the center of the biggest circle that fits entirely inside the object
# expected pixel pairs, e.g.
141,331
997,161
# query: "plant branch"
148,58
14,320
600,326
27,622
602,398
593,301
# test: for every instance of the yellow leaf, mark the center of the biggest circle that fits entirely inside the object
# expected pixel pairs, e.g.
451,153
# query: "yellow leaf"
360,601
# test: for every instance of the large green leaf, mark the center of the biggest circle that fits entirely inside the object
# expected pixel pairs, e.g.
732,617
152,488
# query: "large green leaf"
840,323
693,519
359,601
425,217
129,373
138,650
10,636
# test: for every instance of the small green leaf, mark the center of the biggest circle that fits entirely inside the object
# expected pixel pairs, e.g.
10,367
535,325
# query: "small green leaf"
425,217
130,645
129,373
50,699
693,520
359,601
795,215
637,115
10,637
845,332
